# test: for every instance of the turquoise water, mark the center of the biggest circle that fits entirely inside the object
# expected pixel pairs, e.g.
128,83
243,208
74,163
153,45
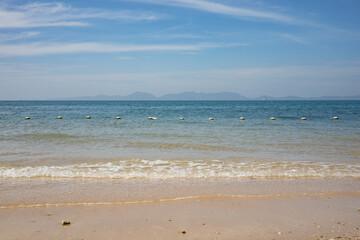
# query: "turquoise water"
135,147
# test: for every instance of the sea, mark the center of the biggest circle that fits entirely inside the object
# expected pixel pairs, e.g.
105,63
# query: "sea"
165,147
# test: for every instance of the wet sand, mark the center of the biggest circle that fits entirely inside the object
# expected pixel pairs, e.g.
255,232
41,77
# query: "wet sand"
33,191
282,217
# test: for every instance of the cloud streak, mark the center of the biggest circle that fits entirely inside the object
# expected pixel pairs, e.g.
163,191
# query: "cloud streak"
219,8
17,36
42,48
56,14
293,38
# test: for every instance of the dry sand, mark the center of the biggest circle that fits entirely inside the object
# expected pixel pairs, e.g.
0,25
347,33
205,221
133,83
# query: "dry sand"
286,217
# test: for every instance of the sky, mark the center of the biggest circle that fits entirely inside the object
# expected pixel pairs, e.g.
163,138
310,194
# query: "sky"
70,48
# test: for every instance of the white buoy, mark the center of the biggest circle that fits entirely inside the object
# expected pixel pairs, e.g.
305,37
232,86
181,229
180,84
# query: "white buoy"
272,118
211,118
181,118
59,117
27,118
241,118
303,118
87,117
117,117
335,118
152,118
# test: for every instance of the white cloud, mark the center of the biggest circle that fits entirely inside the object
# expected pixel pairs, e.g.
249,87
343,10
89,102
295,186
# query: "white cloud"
219,8
42,48
58,14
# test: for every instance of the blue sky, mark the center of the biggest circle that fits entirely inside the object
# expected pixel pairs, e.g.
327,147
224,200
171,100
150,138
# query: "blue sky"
59,49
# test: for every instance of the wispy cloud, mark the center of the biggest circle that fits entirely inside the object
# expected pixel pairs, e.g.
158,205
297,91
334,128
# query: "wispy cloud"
42,48
59,14
176,36
293,38
4,37
219,8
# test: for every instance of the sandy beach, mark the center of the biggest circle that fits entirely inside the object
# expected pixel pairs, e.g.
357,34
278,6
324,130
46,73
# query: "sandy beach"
257,209
282,217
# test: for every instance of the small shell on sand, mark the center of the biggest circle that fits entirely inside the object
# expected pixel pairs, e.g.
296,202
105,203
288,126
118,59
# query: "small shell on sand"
65,223
183,232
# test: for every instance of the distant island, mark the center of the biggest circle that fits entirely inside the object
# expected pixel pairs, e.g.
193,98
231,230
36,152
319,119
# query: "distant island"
194,96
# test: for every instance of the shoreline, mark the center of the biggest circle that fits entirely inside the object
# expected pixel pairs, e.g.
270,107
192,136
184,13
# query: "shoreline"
80,204
52,192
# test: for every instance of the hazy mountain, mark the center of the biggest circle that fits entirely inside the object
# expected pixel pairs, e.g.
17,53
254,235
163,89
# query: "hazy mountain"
140,96
144,96
203,96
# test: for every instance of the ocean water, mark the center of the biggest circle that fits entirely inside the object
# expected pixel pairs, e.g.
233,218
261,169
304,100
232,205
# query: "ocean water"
134,147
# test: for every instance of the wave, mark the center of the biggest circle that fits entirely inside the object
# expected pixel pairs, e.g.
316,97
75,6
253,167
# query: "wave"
187,169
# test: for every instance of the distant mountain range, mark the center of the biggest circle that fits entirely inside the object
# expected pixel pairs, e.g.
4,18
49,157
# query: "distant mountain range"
144,96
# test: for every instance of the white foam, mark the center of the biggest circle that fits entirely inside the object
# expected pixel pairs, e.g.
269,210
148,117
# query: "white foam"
190,169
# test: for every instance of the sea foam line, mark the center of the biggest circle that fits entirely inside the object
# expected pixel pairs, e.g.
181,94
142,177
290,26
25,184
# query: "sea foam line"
188,169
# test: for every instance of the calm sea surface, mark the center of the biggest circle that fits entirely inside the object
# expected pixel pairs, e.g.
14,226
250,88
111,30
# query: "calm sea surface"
134,147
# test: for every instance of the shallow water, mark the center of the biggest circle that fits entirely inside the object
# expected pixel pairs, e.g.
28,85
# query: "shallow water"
137,148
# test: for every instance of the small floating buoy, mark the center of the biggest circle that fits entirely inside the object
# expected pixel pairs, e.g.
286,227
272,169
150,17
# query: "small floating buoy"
87,117
152,118
241,118
211,118
335,118
272,118
27,118
181,118
303,118
117,117
59,117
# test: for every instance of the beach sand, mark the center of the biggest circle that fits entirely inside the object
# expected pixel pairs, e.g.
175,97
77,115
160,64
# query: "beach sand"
306,217
320,214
